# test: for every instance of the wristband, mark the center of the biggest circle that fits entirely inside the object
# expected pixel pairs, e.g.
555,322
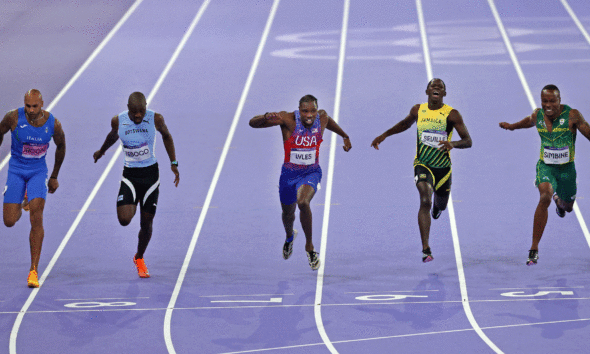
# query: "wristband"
265,115
174,163
52,177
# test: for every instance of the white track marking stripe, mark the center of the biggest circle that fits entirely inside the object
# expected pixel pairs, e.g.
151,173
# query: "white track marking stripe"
454,233
226,146
527,90
576,20
19,318
329,182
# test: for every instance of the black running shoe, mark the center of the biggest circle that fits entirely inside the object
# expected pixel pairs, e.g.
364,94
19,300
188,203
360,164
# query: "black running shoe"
288,246
560,212
436,212
533,257
427,255
314,260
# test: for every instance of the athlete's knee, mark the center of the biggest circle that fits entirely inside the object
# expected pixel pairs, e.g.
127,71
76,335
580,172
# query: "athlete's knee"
545,199
303,204
9,222
425,202
124,220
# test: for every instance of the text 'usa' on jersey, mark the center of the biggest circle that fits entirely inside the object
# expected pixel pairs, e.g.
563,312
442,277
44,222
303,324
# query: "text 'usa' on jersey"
138,140
303,147
30,144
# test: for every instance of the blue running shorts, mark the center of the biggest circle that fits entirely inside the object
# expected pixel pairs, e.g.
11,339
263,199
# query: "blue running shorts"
19,180
293,178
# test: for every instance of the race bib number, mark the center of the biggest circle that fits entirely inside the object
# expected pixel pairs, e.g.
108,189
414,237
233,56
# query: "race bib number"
137,153
34,151
433,137
556,156
303,157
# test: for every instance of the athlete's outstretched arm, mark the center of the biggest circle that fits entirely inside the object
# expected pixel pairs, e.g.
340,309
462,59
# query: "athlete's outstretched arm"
59,138
333,126
580,123
456,120
6,124
401,126
112,138
168,144
268,119
527,122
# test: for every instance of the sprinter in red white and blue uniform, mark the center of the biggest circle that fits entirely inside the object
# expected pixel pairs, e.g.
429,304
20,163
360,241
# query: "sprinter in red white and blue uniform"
140,183
301,173
32,129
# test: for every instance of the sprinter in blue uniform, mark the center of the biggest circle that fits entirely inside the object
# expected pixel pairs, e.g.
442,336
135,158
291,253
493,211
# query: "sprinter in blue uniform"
32,128
141,178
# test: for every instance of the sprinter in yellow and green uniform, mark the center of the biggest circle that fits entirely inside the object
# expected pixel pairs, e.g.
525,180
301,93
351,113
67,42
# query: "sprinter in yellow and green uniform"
432,165
557,125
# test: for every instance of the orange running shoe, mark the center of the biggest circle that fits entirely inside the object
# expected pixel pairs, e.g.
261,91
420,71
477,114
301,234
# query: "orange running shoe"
32,280
142,270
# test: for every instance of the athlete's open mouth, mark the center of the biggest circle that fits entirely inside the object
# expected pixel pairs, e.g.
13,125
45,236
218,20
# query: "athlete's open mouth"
436,94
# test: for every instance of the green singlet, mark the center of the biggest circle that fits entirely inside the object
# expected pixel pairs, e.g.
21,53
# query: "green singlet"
556,162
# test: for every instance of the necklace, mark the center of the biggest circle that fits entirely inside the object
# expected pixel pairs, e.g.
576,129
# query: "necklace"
38,118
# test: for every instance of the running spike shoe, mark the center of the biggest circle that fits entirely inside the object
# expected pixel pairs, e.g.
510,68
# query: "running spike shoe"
533,257
32,280
314,260
25,203
436,212
288,246
560,212
427,255
142,270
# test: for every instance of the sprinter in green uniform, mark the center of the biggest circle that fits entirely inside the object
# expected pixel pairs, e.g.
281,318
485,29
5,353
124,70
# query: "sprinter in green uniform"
432,165
556,172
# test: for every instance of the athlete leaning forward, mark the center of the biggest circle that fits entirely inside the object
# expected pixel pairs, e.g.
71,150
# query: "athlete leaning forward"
432,165
301,173
556,172
32,129
141,177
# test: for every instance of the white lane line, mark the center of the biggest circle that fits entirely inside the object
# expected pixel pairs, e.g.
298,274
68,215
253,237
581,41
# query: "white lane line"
226,147
424,39
87,63
241,307
576,20
407,335
246,295
387,291
454,233
19,318
529,95
329,182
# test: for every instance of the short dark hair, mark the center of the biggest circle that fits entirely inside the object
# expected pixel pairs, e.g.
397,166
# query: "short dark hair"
436,78
550,88
308,98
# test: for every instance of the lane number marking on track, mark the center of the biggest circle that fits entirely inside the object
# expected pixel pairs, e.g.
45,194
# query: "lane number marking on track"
93,304
539,293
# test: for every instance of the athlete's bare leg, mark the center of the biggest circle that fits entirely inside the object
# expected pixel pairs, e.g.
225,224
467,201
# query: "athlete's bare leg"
425,190
541,214
12,213
125,213
441,201
288,218
304,195
145,233
37,234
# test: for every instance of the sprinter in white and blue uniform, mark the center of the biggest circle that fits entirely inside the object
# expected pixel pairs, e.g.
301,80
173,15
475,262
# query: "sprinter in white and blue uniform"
141,177
32,129
301,173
